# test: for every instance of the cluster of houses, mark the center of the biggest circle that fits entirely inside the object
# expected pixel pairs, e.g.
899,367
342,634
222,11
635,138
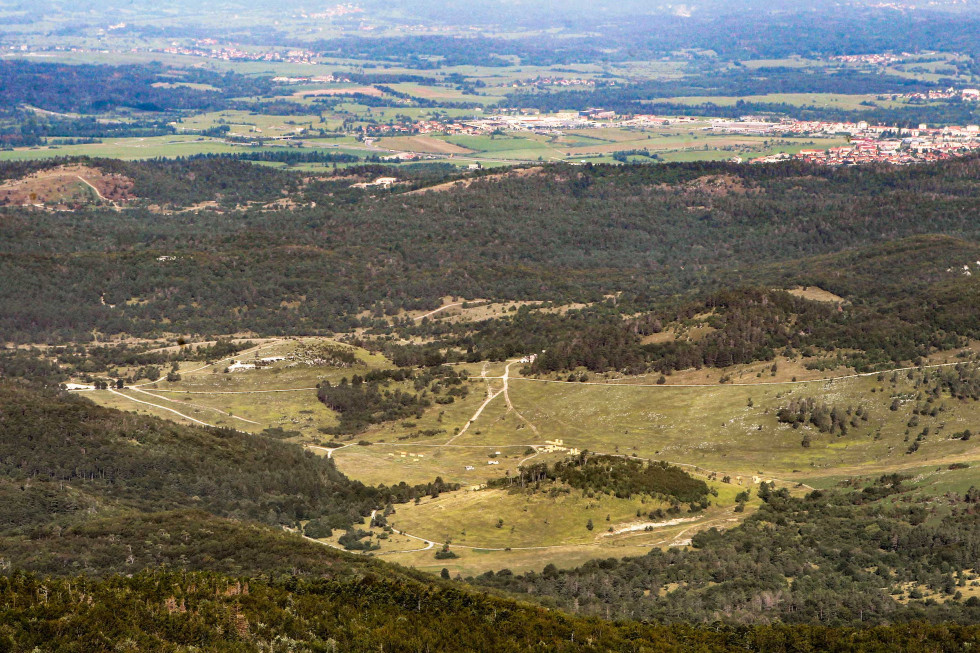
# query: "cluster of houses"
965,94
528,120
209,49
866,143
538,82
557,446
882,144
316,79
336,11
424,127
873,59
898,152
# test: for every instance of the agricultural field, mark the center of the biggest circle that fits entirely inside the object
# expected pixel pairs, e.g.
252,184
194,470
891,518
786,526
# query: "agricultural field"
128,149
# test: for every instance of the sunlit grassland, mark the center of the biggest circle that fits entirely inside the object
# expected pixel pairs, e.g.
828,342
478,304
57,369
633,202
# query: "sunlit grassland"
243,122
715,427
729,429
447,93
470,518
539,528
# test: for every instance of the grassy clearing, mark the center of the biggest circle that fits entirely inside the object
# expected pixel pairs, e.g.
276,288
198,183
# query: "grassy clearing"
470,518
206,392
540,529
493,144
728,429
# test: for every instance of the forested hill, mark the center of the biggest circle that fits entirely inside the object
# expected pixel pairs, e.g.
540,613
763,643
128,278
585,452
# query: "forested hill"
84,488
210,612
558,233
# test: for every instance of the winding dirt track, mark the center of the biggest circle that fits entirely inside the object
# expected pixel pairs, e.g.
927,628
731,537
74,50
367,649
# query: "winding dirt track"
170,410
438,310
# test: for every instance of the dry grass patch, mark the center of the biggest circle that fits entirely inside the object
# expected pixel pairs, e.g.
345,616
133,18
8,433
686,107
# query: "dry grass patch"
465,183
64,186
426,144
813,293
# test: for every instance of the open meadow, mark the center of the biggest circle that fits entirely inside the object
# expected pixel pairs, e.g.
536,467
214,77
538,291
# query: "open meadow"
729,433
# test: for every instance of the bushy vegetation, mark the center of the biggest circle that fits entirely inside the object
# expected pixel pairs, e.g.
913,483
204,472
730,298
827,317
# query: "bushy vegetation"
363,401
826,419
619,476
213,612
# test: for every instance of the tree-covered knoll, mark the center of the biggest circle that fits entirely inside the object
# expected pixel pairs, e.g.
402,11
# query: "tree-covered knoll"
619,476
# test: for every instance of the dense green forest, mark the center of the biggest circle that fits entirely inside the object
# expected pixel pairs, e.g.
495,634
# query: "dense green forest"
168,524
167,611
549,236
94,88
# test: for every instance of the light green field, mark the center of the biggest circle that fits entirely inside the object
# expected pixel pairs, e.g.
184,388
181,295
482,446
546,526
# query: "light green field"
713,427
127,148
495,144
243,122
790,62
446,93
469,518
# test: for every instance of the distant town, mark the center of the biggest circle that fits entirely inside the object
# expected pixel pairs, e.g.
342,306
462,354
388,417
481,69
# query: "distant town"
867,143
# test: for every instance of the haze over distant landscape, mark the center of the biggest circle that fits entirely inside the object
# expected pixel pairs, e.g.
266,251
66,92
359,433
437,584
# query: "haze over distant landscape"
500,326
